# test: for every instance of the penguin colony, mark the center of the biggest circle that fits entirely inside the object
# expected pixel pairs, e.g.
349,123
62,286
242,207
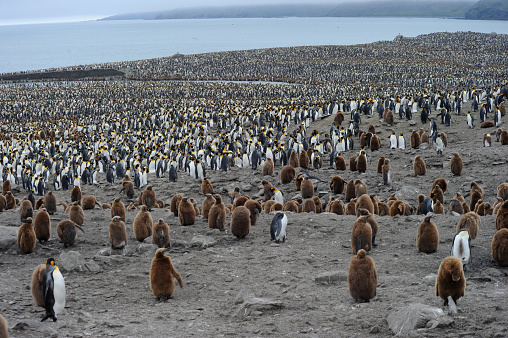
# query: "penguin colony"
77,155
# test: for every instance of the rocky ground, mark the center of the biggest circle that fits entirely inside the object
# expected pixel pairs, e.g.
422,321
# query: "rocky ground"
254,287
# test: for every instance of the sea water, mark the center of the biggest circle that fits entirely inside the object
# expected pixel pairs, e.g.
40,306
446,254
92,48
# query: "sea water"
42,46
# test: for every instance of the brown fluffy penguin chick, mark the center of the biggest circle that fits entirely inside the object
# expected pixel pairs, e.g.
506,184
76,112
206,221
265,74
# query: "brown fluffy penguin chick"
195,204
128,189
373,223
375,143
438,208
415,139
362,277
307,188
352,163
360,188
267,186
241,200
6,186
471,222
502,191
339,163
500,247
206,186
25,210
380,163
50,202
397,208
42,225
504,138
309,205
117,233
456,164
438,194
351,207
3,328
292,206
419,166
287,174
118,209
317,203
148,197
465,207
361,235
267,169
450,281
337,207
175,201
361,162
350,190
3,203
487,124
337,184
76,194
303,160
384,210
217,214
26,237
255,209
37,285
276,207
162,273
427,236
66,230
10,201
374,203
441,182
387,172
76,213
268,205
89,202
240,222
364,202
186,212
161,236
502,216
142,224
207,204
475,187
293,159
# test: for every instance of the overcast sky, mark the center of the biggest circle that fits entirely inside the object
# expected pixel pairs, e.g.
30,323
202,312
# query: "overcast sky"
36,11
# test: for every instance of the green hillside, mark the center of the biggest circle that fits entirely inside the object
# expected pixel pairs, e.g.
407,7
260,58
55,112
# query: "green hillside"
488,10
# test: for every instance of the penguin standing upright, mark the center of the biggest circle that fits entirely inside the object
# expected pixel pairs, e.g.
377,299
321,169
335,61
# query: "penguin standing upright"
173,175
54,290
278,227
461,247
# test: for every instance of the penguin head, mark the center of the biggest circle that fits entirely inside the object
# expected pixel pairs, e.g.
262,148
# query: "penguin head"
51,261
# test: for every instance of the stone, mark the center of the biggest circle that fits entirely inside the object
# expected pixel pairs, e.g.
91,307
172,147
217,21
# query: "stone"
410,319
143,248
70,261
330,277
253,306
202,241
32,328
8,237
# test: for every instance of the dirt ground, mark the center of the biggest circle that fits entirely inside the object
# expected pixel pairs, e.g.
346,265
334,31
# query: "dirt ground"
255,287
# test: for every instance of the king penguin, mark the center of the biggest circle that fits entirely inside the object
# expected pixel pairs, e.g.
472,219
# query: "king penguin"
278,227
54,290
461,247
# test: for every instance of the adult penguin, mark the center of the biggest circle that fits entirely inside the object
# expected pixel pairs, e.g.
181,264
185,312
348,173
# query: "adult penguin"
278,227
254,160
53,290
110,177
427,205
173,174
424,116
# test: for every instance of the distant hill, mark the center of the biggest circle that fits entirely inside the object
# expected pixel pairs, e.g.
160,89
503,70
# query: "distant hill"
488,10
393,8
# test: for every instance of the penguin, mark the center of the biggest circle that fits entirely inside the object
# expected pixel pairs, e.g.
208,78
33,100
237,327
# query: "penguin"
148,198
277,196
393,141
118,209
267,189
254,209
414,139
387,172
397,208
53,290
89,202
206,186
161,236
487,140
350,190
361,235
25,210
162,273
267,169
499,247
42,225
3,327
186,212
469,221
364,202
419,166
287,174
217,214
441,182
371,221
3,203
76,213
66,230
10,201
278,227
402,141
207,204
470,120
502,216
456,164
117,233
110,177
26,237
362,277
175,201
142,225
361,162
50,202
303,160
306,188
450,281
337,184
76,194
427,237
240,222
461,247
173,174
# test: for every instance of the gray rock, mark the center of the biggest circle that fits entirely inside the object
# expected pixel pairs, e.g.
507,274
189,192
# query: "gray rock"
143,248
32,328
243,295
91,266
70,261
257,306
246,187
202,241
410,319
8,237
412,122
331,277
